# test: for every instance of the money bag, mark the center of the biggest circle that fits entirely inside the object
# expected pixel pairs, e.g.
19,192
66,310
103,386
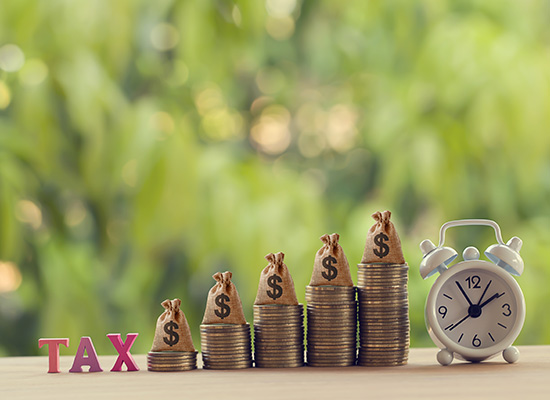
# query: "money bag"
172,332
331,265
276,285
223,305
383,245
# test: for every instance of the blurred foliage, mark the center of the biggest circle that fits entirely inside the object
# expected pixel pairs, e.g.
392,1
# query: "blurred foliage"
146,145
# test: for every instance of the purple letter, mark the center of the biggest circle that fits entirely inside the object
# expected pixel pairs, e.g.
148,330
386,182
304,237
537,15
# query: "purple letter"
86,345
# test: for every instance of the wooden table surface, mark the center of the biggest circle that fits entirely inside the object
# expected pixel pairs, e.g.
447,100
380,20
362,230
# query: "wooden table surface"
27,378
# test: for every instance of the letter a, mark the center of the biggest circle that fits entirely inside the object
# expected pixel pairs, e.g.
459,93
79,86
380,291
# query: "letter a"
85,345
124,356
53,352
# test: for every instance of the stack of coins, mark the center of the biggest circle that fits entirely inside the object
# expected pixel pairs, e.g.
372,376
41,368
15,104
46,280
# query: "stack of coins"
226,346
171,361
383,314
278,336
331,326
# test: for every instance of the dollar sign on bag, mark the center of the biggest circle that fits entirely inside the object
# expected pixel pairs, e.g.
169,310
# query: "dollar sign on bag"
224,310
331,271
277,290
169,329
384,248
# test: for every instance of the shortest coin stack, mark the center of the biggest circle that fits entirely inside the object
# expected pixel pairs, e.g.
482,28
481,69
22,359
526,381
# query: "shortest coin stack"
278,336
331,326
171,361
226,346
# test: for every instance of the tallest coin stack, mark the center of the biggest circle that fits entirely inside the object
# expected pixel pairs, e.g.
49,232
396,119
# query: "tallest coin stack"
383,299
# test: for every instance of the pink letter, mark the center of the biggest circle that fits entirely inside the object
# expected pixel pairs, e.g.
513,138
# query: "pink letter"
85,345
53,351
123,349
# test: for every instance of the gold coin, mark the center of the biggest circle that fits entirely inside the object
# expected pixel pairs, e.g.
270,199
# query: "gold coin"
345,356
331,304
336,335
332,325
277,328
177,365
264,364
330,288
218,359
278,307
241,365
330,362
225,328
278,357
312,332
171,358
168,361
278,320
222,347
283,344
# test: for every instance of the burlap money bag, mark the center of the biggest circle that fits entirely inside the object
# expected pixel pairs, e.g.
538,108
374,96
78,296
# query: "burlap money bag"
276,285
383,244
172,333
223,305
331,265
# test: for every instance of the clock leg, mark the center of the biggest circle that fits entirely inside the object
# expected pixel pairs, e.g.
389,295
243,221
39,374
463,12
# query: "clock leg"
511,354
445,357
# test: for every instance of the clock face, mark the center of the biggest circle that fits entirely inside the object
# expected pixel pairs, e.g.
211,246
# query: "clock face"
475,308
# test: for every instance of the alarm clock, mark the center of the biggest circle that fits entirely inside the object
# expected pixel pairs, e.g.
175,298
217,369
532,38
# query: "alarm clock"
475,309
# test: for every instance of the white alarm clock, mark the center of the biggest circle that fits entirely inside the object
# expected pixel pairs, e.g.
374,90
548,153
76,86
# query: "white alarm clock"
475,309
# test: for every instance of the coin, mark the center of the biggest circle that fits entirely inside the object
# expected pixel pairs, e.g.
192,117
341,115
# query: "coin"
341,356
278,335
383,316
171,361
226,346
280,364
274,358
260,327
331,326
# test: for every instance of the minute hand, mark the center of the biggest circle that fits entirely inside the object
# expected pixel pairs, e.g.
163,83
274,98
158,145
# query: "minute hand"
464,293
495,296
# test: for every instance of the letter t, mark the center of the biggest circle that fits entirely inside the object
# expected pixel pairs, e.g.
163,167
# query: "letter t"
53,351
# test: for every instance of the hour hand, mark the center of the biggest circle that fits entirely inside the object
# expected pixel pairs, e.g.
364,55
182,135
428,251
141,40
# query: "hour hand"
464,293
495,296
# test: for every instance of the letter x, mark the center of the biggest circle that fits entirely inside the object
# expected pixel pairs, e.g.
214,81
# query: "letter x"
123,349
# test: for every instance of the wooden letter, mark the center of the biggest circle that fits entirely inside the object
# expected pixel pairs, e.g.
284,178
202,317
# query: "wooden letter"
85,345
53,351
124,356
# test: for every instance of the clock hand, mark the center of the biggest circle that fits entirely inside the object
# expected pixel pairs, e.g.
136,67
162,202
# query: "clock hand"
459,322
471,310
495,296
464,293
485,291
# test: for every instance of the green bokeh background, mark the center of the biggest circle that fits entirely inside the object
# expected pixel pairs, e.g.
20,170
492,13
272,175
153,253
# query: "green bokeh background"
146,145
